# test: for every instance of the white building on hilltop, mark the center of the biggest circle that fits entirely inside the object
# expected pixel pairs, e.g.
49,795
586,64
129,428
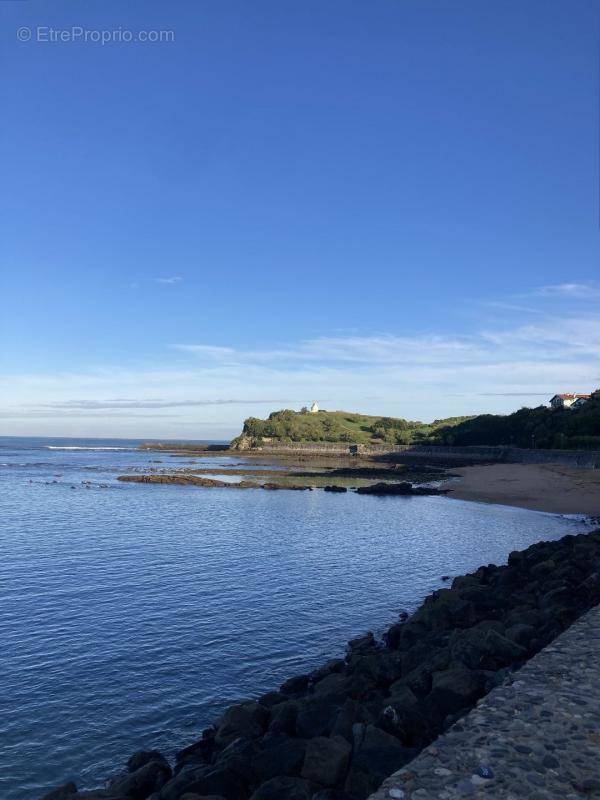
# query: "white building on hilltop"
314,408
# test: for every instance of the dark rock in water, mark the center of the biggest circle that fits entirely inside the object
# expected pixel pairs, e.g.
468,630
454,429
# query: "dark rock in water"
326,760
333,666
386,488
246,719
445,577
271,699
283,789
199,752
335,489
142,782
293,486
64,792
402,488
362,643
143,757
183,782
294,685
97,794
238,758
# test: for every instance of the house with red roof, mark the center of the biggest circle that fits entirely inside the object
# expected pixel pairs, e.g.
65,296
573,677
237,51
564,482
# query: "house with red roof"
569,400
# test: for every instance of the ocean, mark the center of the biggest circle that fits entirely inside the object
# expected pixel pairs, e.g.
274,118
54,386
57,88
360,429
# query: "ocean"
132,614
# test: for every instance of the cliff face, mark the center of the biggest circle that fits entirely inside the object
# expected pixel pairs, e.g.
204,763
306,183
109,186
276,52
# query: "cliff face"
242,442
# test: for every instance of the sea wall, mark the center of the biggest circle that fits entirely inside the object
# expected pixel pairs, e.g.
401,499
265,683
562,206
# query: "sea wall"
338,732
575,458
534,737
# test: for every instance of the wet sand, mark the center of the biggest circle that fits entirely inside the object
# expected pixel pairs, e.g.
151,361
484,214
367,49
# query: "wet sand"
543,487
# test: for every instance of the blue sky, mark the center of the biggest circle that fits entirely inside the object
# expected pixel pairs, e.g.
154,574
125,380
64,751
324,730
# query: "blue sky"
390,207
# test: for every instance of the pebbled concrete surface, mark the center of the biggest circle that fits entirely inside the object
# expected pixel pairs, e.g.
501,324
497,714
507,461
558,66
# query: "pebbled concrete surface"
536,738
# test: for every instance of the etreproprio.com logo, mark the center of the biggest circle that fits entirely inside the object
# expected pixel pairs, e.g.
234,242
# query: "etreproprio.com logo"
79,34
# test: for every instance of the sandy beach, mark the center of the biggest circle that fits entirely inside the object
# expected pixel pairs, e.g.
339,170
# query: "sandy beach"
543,487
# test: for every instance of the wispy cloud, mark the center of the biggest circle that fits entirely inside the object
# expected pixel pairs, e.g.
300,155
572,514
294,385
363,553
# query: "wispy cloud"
171,279
206,350
508,361
123,404
574,291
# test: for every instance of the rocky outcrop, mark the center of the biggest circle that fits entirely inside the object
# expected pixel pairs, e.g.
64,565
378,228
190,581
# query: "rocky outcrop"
336,733
190,479
402,488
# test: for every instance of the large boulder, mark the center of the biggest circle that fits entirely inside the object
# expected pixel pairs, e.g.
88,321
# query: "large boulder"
361,644
335,685
194,796
316,717
64,792
334,665
283,755
283,717
404,716
199,752
454,689
326,760
295,685
271,699
97,794
237,758
349,714
522,634
380,667
205,781
143,757
283,788
376,755
248,720
141,783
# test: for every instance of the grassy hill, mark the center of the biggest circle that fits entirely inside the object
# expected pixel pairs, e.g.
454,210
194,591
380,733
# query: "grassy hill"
529,427
545,427
337,426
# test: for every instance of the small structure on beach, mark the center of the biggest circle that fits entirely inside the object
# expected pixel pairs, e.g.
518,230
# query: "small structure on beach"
569,400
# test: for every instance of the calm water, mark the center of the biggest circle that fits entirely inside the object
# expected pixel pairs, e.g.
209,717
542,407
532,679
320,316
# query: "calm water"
132,614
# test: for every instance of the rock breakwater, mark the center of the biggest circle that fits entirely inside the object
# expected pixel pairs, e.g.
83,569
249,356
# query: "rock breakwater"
339,731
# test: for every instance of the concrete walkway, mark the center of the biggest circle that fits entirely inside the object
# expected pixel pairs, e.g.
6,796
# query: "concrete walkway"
537,738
